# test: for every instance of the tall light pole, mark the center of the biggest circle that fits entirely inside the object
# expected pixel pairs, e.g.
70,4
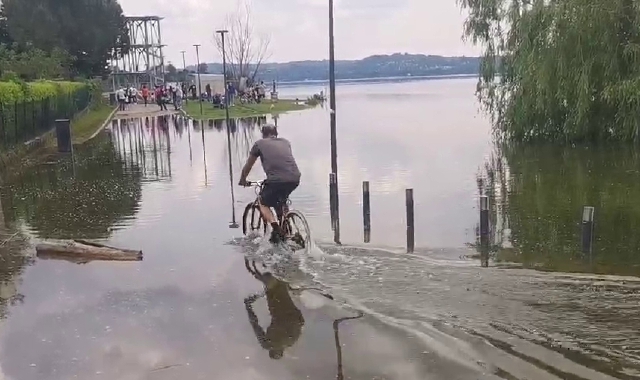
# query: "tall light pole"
224,74
199,82
184,72
332,105
226,109
332,94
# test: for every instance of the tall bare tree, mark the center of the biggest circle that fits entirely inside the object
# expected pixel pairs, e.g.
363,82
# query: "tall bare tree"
245,48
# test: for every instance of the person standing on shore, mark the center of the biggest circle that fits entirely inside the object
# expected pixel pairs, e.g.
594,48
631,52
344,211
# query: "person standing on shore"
160,100
178,98
145,94
121,96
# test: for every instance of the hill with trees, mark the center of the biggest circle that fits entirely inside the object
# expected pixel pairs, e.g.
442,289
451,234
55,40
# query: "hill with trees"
375,66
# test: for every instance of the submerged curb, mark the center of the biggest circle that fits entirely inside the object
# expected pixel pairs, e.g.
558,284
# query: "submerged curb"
104,125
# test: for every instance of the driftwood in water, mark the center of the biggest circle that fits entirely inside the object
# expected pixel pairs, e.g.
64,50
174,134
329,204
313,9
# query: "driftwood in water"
81,251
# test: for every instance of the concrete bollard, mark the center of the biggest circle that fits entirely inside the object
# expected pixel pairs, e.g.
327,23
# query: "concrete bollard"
410,221
366,211
63,135
484,231
587,229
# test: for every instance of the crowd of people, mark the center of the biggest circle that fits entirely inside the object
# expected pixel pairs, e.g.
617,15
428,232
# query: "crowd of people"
161,95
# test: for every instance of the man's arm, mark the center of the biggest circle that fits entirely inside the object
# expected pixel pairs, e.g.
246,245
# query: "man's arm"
254,153
247,169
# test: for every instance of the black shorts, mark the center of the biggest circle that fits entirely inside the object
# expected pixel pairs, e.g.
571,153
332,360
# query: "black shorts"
275,194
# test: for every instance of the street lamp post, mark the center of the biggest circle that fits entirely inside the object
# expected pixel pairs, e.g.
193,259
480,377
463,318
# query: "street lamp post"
199,82
224,74
332,105
226,109
184,72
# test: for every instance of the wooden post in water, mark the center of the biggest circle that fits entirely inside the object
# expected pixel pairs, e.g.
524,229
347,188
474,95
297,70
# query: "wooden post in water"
366,211
410,221
484,231
587,230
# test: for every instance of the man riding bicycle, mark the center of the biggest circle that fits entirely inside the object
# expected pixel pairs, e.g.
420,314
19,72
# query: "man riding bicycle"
283,176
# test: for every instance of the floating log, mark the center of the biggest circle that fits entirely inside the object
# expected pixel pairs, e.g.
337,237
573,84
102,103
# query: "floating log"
82,251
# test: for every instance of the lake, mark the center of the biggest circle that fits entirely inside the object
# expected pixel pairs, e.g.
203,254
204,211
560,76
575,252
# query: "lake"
541,309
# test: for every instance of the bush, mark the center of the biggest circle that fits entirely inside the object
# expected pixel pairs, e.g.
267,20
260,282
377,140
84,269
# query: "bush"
16,91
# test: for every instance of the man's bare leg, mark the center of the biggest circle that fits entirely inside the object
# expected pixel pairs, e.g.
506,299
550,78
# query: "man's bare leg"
277,234
267,214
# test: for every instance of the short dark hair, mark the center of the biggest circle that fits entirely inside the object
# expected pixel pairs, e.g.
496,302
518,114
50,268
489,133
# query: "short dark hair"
269,130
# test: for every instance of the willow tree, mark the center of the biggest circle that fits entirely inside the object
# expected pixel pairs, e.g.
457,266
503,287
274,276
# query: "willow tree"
558,70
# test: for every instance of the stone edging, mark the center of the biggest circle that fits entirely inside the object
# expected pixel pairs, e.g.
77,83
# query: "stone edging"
104,125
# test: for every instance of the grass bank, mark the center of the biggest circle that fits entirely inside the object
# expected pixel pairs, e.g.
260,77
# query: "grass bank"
83,127
267,107
85,124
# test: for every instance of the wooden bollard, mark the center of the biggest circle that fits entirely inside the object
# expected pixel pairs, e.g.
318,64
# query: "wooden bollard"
366,211
410,221
587,229
484,231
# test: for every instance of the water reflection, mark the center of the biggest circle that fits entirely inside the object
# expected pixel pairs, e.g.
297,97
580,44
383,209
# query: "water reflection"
286,319
12,264
537,195
55,203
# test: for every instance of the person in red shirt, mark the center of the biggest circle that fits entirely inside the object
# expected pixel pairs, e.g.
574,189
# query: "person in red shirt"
145,94
160,98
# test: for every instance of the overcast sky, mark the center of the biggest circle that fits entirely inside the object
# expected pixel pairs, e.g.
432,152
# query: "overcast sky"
298,28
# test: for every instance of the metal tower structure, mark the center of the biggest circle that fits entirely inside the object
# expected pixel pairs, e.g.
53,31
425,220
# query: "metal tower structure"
144,63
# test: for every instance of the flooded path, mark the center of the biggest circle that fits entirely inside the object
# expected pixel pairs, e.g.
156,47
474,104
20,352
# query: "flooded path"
197,308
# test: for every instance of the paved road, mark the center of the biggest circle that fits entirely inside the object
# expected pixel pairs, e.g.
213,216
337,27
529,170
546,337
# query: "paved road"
140,110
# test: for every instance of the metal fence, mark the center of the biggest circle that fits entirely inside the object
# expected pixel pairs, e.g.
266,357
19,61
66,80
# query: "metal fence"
23,121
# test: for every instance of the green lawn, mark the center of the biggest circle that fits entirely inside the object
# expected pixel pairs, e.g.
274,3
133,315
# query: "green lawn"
242,110
83,127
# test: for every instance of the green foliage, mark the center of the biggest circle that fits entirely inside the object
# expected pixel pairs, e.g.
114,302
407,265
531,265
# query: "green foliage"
564,70
89,31
11,92
31,63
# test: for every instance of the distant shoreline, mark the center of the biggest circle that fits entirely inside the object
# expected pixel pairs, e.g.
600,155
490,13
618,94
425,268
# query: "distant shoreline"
315,82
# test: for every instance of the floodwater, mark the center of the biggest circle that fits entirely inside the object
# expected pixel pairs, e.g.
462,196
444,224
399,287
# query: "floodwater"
188,310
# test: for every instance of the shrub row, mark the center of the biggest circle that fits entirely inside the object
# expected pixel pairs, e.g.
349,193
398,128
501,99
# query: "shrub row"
12,92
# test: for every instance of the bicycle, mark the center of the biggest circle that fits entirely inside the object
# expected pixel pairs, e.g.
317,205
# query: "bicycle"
293,223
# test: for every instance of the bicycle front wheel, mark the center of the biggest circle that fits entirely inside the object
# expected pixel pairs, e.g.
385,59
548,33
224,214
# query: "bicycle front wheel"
297,229
252,220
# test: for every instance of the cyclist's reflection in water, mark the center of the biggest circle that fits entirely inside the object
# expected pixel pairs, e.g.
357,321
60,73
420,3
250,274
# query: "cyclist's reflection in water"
286,318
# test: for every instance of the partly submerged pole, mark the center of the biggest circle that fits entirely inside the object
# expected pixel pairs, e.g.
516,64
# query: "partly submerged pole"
366,211
332,104
484,231
410,221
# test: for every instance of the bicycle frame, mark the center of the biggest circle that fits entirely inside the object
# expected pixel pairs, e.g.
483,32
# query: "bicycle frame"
280,214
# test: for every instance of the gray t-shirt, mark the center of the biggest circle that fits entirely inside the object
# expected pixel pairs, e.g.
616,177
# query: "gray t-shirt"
277,159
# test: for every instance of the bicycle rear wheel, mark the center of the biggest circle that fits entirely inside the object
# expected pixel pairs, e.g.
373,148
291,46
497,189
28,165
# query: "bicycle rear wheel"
297,229
252,220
